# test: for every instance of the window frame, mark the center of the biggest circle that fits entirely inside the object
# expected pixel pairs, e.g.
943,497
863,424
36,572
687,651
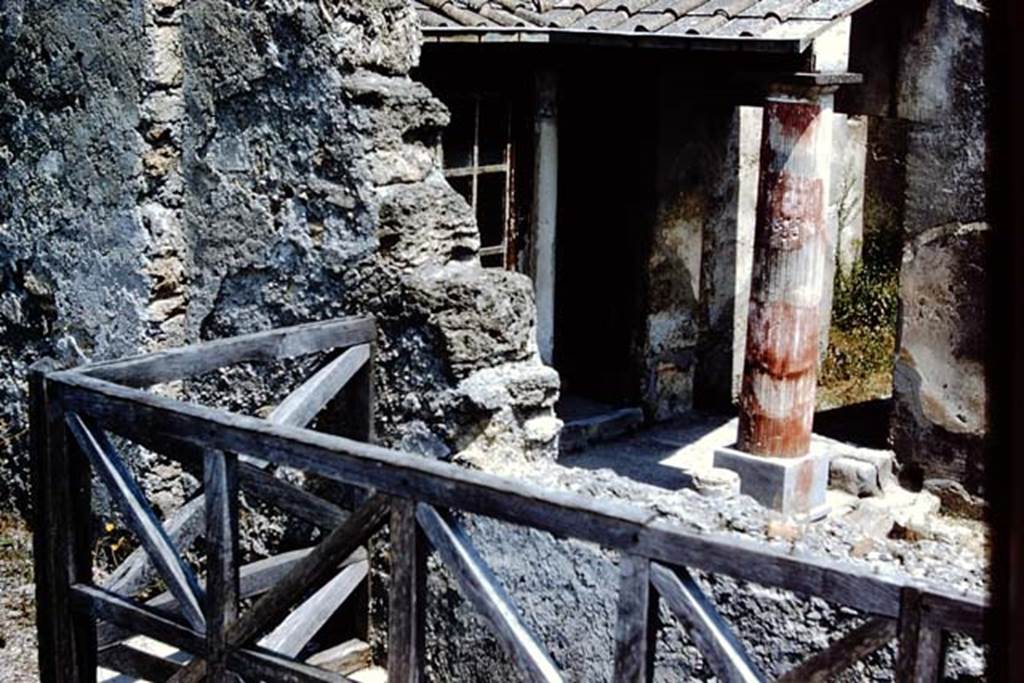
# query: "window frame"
474,170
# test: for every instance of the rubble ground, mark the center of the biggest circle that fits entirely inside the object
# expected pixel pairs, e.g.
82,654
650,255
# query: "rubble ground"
659,469
17,604
895,531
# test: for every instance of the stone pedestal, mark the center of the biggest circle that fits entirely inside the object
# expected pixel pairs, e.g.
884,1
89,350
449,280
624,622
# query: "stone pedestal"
792,486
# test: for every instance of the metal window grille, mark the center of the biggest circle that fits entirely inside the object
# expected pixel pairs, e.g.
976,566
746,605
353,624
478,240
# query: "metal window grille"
477,158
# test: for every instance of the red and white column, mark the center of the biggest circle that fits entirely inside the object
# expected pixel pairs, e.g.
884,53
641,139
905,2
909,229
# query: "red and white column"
787,285
772,452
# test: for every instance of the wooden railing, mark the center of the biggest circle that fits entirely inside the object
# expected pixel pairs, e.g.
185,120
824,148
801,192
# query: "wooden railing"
294,594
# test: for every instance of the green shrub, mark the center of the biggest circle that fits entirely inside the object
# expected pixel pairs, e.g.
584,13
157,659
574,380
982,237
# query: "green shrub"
865,312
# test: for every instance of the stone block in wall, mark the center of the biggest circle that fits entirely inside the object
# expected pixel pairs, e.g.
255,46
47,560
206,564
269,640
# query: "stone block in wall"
485,317
940,415
425,223
942,92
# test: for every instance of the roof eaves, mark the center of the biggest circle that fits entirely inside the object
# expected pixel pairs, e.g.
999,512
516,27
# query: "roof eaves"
445,34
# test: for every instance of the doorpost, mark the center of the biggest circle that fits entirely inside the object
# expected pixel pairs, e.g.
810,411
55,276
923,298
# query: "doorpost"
544,212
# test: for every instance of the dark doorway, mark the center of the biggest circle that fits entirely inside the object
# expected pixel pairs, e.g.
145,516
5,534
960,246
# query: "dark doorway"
606,191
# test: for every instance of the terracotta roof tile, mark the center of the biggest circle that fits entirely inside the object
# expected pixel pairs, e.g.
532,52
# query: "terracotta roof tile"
767,19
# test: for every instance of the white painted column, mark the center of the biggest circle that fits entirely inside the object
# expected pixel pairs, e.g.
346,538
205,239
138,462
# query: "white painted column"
545,208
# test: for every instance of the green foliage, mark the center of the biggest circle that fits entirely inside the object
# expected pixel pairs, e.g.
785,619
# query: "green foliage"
866,299
865,311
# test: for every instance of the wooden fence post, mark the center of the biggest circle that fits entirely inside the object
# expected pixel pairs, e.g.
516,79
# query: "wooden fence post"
407,594
220,483
62,541
921,651
363,414
636,630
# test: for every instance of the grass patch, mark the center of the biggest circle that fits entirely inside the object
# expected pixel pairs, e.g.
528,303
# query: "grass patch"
862,338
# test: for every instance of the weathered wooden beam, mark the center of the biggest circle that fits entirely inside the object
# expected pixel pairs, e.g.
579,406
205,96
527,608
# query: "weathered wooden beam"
346,658
185,524
307,573
130,661
182,527
61,544
920,654
482,589
866,639
290,498
307,619
254,579
270,345
721,649
363,401
129,615
636,629
220,484
305,403
616,525
298,409
955,612
407,594
141,519
258,665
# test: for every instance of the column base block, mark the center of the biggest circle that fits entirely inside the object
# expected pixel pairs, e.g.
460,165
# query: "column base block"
792,486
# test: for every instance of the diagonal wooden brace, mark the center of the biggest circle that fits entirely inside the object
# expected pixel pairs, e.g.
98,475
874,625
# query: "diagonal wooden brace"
141,518
486,594
310,571
298,409
721,649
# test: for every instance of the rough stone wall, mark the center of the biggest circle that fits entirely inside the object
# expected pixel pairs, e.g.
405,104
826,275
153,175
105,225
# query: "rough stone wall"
317,194
940,417
941,413
73,238
175,172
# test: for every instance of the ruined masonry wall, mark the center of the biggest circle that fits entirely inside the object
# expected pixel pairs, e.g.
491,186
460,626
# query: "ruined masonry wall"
175,172
73,253
694,248
940,417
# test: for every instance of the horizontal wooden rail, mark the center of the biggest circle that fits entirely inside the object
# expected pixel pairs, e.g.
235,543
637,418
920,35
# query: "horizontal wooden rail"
137,414
196,359
137,663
